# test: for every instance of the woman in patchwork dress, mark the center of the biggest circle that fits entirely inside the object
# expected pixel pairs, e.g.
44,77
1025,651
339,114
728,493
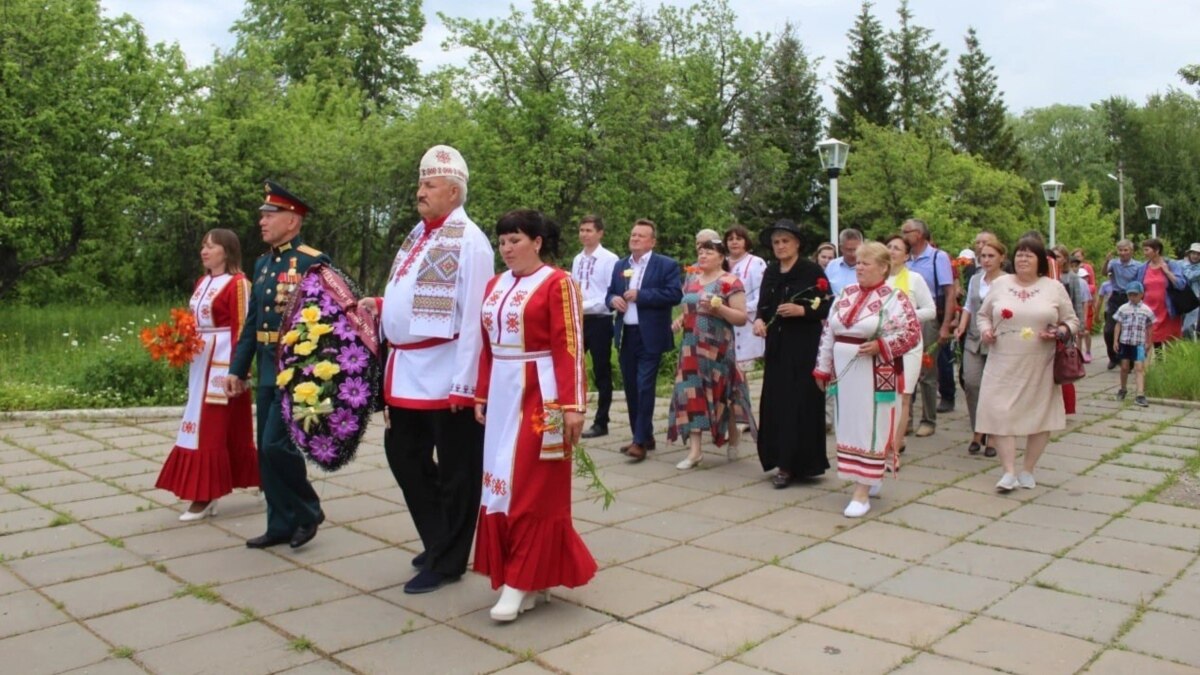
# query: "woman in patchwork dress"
710,392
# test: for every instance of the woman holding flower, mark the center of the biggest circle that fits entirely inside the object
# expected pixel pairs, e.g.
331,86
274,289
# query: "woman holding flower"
990,259
793,302
913,285
1020,320
871,327
531,396
214,451
710,392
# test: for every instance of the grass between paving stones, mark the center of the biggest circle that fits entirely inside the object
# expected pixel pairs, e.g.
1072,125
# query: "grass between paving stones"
199,591
248,616
122,652
300,644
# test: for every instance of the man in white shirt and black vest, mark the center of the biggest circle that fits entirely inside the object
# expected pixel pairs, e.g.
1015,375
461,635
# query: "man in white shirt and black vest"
592,270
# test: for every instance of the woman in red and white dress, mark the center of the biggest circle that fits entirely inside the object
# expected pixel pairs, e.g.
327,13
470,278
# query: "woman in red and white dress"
214,450
531,396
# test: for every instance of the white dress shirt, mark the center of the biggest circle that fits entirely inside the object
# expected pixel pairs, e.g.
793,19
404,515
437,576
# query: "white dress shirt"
634,282
593,272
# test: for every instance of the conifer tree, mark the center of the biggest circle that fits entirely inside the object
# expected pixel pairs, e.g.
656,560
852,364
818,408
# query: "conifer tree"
862,87
979,121
915,69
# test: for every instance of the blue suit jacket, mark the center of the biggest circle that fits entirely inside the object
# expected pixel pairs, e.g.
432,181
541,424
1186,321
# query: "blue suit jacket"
661,289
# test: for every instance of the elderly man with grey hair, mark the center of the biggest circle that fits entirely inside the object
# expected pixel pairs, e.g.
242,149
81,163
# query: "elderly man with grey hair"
429,316
840,270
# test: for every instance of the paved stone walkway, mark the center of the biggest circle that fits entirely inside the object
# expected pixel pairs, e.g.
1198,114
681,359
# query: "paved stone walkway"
704,571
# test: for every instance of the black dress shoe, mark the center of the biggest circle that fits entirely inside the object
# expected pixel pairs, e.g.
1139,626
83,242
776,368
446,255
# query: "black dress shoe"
945,406
427,581
595,431
305,533
268,539
418,561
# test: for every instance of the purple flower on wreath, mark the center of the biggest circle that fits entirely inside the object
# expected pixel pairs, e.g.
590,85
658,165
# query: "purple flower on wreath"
342,329
329,306
311,285
322,448
354,391
308,370
352,359
343,423
285,407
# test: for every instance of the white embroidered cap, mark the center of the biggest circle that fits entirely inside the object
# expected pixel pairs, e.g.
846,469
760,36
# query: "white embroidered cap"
443,160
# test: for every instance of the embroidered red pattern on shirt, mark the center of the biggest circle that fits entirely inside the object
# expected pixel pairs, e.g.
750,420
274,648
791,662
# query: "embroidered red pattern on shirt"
1023,294
512,322
518,298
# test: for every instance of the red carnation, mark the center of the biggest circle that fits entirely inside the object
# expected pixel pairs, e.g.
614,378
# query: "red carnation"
822,284
1006,313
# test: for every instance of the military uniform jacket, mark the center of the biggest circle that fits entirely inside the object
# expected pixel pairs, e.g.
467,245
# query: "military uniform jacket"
276,274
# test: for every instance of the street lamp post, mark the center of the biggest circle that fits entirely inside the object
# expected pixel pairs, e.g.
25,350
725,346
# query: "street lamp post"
1051,190
1153,211
1120,178
833,155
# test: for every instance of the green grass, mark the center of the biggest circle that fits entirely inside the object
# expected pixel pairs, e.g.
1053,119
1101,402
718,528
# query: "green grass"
1176,374
199,591
49,358
301,644
122,652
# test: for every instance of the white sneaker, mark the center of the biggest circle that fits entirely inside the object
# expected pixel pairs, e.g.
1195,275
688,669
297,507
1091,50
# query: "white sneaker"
875,490
1007,482
514,602
856,509
1025,480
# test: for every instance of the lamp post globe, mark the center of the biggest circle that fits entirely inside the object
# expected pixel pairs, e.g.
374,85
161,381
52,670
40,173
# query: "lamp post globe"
1153,212
1052,190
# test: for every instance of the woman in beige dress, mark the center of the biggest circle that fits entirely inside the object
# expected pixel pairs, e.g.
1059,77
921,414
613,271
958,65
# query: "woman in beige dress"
1020,320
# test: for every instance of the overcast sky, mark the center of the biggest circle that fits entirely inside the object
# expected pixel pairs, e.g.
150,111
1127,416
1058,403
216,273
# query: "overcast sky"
1044,51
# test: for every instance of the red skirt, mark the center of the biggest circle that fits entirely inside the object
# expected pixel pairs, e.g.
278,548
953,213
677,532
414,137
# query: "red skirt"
1068,394
534,546
226,458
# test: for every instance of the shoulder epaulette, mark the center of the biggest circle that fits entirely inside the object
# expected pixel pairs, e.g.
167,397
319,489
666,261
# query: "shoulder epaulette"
308,250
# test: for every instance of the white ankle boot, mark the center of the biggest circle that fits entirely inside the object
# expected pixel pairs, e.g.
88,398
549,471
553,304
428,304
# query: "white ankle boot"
514,602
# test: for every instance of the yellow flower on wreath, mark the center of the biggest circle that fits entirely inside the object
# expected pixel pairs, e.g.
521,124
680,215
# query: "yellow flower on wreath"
291,337
284,377
305,348
311,314
316,330
326,370
306,393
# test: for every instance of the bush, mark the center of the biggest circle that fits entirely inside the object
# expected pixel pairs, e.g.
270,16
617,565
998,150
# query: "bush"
127,377
1176,372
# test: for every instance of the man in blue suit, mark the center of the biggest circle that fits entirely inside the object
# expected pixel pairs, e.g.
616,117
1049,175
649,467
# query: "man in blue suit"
644,288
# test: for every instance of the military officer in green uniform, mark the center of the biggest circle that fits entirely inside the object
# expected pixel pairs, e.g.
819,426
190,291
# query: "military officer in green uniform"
293,508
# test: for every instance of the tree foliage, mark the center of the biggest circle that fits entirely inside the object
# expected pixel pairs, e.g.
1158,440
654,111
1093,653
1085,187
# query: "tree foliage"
915,70
862,89
116,158
979,121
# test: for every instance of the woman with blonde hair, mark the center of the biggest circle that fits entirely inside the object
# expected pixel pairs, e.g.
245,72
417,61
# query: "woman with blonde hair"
990,259
871,326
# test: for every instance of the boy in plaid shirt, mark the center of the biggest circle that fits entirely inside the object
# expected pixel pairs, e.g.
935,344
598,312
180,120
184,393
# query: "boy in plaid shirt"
1132,337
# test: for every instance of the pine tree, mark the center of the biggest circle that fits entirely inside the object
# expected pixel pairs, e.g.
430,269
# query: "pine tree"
862,88
916,71
979,122
787,118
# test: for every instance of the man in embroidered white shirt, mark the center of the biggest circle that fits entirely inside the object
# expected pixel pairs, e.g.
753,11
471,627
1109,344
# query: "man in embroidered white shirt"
429,316
592,270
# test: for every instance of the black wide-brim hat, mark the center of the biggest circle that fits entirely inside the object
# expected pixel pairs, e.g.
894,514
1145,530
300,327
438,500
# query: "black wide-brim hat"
783,225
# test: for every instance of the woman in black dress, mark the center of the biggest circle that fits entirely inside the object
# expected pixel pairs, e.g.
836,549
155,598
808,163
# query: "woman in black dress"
793,303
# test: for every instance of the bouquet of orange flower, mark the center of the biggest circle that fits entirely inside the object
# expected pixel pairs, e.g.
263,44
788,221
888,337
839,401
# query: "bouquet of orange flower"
176,340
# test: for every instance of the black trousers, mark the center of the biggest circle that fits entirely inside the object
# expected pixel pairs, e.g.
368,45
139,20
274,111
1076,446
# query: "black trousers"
597,341
1114,303
442,495
291,500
